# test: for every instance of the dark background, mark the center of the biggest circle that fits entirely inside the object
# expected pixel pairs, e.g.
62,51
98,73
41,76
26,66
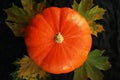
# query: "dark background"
12,47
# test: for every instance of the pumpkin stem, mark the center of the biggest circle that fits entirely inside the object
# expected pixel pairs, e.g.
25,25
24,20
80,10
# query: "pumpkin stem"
59,38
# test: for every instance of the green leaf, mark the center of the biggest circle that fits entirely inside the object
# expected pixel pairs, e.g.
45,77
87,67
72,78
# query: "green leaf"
32,7
80,73
100,62
91,12
19,18
95,13
92,72
92,67
83,6
28,6
75,5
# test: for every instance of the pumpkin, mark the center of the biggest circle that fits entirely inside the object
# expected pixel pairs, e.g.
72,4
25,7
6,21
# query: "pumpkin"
58,40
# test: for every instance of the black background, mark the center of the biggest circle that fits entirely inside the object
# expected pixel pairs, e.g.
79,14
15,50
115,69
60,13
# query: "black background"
12,47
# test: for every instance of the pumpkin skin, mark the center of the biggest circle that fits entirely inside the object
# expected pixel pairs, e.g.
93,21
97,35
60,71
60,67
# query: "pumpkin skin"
55,57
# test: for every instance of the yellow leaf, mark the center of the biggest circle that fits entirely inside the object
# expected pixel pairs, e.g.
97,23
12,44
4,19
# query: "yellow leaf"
100,28
29,70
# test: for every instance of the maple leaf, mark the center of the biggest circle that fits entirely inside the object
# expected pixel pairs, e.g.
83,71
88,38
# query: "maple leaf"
28,70
91,12
18,18
92,67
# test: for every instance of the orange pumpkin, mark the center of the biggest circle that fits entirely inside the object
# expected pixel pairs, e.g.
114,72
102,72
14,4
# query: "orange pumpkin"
58,40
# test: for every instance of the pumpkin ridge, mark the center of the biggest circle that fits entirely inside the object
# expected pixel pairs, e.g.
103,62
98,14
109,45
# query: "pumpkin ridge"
60,21
54,18
66,20
66,49
35,56
44,60
40,18
68,67
48,54
75,49
48,24
60,69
